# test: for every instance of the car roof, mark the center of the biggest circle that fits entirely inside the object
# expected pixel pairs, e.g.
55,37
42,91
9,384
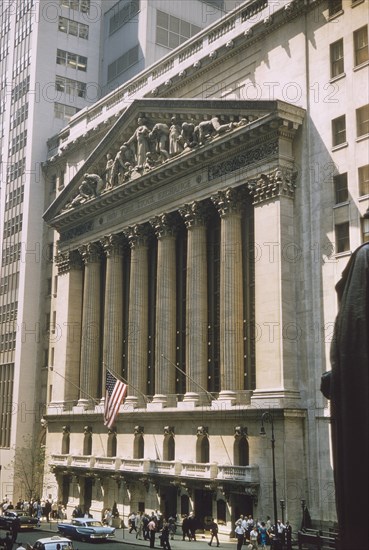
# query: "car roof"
55,538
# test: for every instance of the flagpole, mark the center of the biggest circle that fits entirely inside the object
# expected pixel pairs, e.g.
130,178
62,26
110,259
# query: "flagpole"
126,382
209,395
97,401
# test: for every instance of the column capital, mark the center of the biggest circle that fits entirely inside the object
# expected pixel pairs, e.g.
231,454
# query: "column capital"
90,252
112,245
280,182
164,225
229,201
193,213
66,261
137,235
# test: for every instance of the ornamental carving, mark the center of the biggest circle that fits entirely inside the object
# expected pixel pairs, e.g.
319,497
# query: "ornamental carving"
164,225
193,214
68,260
90,253
151,145
281,182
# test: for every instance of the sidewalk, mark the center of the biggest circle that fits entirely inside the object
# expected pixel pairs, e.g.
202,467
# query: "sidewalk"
123,535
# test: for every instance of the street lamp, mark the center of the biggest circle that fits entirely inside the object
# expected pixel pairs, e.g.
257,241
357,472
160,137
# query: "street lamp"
303,506
268,417
282,503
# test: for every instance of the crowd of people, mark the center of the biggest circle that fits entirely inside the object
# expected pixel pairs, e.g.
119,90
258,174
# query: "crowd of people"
37,508
147,525
260,534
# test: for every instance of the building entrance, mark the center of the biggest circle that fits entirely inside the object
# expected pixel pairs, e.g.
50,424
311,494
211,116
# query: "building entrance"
203,506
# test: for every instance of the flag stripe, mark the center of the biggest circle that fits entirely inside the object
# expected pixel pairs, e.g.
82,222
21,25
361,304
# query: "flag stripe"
115,392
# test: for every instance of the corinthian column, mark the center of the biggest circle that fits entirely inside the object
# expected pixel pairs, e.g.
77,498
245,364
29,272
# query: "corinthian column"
138,314
228,204
193,215
165,335
90,344
113,310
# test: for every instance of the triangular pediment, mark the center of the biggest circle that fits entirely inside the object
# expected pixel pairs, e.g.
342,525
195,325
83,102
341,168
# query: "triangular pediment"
154,139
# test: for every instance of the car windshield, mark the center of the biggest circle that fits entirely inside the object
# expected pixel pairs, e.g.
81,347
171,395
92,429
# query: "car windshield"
94,523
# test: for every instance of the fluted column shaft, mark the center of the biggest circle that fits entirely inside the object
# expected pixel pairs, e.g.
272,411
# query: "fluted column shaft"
228,204
138,314
90,344
196,298
165,335
113,310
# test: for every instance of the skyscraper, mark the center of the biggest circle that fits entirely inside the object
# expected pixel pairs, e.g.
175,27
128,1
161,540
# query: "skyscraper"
56,57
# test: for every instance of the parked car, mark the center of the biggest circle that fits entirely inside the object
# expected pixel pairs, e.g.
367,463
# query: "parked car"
86,529
51,543
25,520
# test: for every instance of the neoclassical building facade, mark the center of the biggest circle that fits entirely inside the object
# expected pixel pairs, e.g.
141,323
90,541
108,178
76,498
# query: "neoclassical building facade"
162,280
198,232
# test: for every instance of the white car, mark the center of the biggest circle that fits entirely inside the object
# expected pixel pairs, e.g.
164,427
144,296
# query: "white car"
53,543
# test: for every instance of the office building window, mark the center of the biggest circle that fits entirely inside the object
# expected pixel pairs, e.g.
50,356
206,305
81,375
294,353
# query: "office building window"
363,174
19,116
6,399
361,50
123,63
73,88
77,5
123,13
14,197
12,226
342,232
20,89
362,121
18,142
72,60
339,130
334,7
365,230
69,26
336,53
171,31
65,112
340,188
17,169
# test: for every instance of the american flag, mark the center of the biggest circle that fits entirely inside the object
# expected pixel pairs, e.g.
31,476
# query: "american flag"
115,392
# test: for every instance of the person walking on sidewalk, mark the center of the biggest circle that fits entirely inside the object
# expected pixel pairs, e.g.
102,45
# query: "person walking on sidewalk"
152,529
213,532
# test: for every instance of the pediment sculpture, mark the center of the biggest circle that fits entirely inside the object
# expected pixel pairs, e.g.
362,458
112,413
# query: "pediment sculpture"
151,145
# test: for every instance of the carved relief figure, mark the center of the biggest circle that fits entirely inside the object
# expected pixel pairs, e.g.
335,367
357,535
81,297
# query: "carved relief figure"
141,139
122,161
109,171
188,137
175,145
91,186
160,134
208,128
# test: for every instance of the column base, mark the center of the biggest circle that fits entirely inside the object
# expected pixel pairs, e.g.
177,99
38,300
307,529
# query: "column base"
131,402
276,398
85,404
57,407
228,396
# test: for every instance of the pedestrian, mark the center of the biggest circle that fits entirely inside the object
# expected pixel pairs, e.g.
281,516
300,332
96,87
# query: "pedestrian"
192,526
165,536
185,528
213,532
15,529
254,535
132,522
172,527
152,530
8,542
263,532
240,533
288,536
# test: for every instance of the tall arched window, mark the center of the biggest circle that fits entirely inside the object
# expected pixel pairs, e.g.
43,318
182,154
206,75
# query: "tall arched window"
138,444
240,448
112,444
202,445
87,441
168,443
65,440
